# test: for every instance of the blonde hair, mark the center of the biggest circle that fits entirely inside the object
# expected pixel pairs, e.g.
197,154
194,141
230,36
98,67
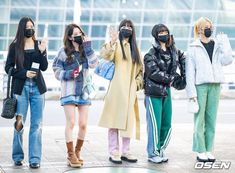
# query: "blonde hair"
201,23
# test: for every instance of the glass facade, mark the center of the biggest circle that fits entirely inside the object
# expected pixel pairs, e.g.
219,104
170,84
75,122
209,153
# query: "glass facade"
97,15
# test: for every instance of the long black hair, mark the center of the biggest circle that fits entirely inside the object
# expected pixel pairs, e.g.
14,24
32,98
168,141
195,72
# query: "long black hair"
19,41
68,45
132,40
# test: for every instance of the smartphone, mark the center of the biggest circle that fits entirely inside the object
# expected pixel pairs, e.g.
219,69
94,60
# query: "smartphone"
35,67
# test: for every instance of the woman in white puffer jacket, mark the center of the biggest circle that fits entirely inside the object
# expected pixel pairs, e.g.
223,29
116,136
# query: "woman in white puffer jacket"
204,74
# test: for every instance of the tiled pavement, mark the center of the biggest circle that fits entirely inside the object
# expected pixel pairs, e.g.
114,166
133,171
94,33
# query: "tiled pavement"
181,158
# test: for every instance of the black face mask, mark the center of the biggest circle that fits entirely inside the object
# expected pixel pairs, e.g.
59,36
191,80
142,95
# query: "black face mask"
78,39
126,33
163,38
207,32
29,33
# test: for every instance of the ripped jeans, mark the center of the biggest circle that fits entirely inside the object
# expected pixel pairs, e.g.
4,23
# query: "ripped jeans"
29,96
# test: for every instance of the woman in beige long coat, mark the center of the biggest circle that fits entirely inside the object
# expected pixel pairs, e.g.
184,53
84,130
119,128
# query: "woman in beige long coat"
121,114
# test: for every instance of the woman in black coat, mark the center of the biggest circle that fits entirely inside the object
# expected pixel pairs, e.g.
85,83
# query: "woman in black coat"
27,58
161,63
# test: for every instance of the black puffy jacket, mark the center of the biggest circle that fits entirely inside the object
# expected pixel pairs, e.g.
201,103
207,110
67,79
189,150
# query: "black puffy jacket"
156,77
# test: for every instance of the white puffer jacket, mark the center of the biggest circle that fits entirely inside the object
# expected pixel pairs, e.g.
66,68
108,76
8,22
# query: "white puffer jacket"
200,70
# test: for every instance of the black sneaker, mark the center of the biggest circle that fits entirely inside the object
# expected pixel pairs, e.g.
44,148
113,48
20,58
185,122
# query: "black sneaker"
202,160
115,160
211,160
34,165
18,163
129,158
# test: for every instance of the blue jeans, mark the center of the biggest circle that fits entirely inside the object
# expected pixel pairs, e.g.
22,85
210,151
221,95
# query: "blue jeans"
29,96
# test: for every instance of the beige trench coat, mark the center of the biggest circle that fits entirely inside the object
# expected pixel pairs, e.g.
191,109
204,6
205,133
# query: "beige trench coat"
121,109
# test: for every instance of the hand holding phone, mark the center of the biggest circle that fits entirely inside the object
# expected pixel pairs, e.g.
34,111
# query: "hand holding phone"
35,67
31,74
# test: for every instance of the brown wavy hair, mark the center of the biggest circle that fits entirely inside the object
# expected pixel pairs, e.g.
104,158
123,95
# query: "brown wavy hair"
68,45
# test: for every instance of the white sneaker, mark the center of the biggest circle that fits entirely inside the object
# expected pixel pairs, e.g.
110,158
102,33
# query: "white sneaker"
163,156
156,159
202,157
211,158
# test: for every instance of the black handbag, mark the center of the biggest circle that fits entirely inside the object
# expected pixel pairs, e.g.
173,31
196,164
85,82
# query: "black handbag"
9,103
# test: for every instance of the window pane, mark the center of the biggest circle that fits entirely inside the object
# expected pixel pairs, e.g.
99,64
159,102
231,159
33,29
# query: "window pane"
40,30
3,45
1,55
227,30
181,44
179,31
226,5
156,4
69,15
70,3
192,32
226,18
104,16
4,14
85,3
96,44
17,13
50,57
13,28
85,28
153,17
182,4
210,16
55,31
147,31
98,31
85,16
105,4
232,42
131,4
54,45
51,15
145,45
179,17
23,3
3,30
133,15
52,3
4,2
206,4
137,31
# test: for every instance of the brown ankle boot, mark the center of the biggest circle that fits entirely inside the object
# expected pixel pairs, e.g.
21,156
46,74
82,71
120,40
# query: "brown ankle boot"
78,149
72,158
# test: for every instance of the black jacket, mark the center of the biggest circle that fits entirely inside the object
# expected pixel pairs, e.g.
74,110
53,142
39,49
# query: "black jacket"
19,74
156,76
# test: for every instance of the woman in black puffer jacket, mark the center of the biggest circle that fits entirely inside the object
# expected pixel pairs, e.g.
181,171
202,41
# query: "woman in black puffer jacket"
161,63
